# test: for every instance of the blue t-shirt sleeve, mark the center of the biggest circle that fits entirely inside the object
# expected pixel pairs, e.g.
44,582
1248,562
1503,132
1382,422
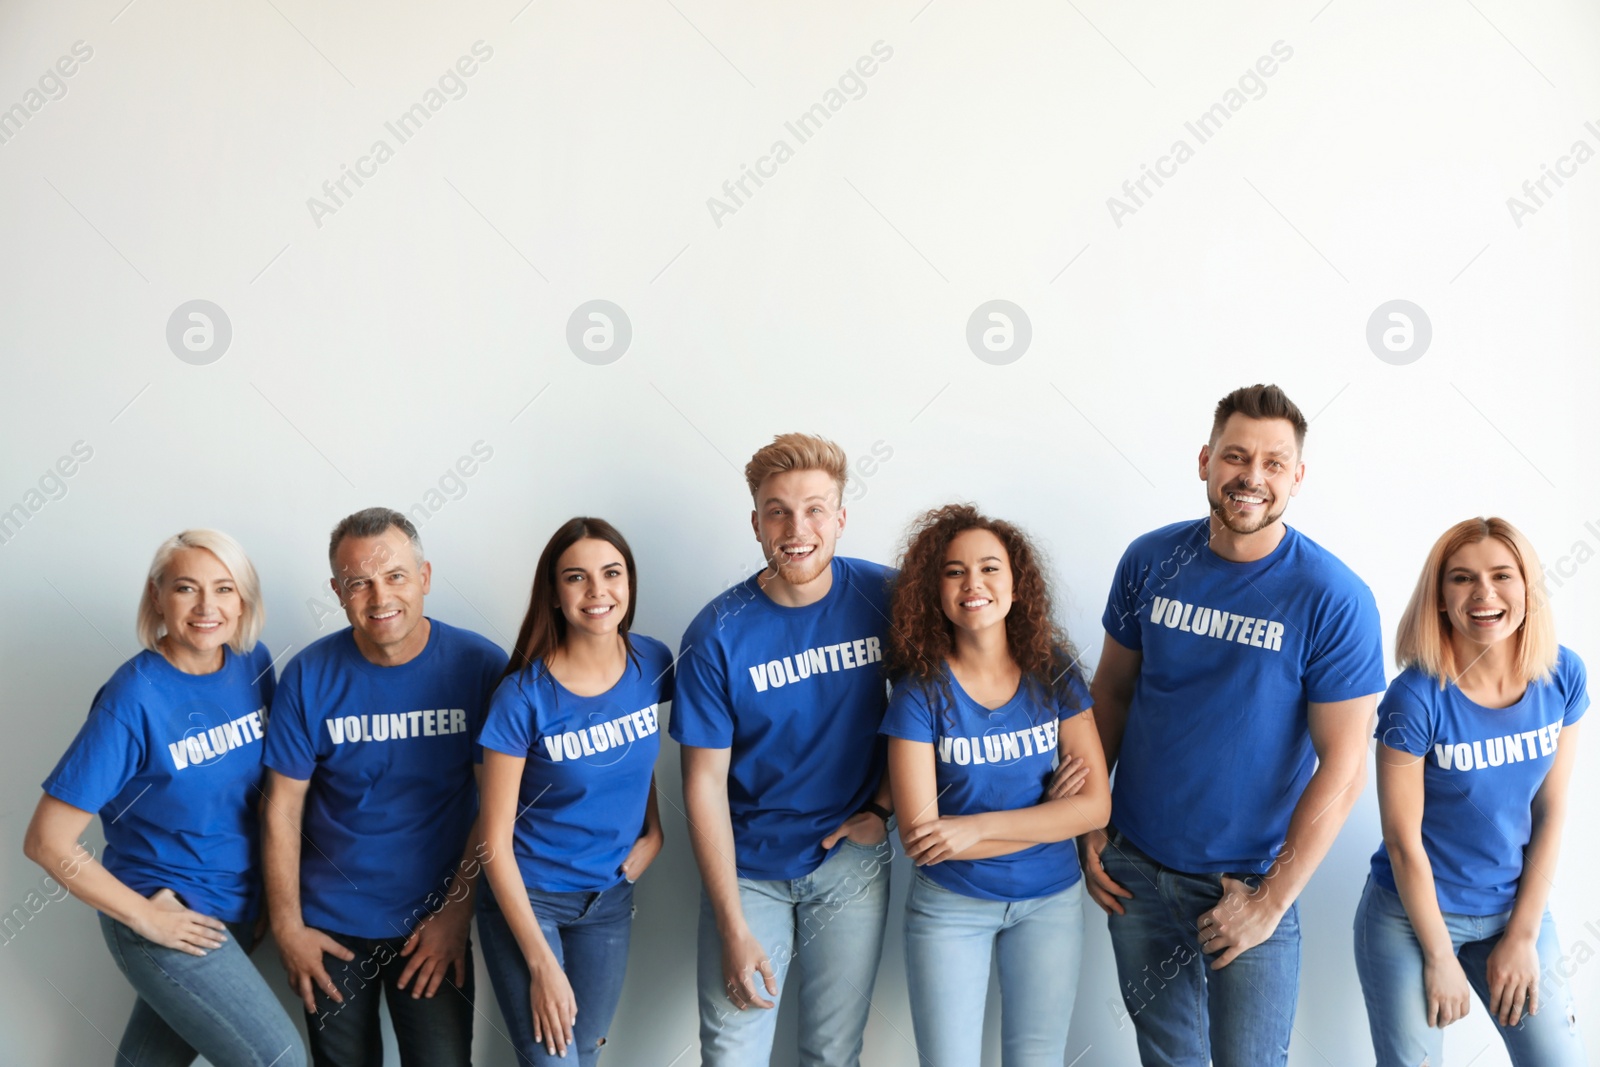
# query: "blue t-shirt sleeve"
1077,700
289,749
908,716
509,726
101,760
1575,686
1406,722
702,714
492,666
1121,618
1347,652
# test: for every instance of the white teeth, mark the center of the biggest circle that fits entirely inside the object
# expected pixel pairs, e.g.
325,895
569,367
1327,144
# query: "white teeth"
602,610
385,615
1238,499
1487,614
979,603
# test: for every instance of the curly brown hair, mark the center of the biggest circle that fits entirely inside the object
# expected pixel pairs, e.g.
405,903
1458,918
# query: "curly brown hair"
921,637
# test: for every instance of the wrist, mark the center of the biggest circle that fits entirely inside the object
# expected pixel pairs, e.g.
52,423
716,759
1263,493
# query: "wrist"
872,807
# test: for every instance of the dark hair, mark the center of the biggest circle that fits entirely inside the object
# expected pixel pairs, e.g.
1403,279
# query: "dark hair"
921,636
544,627
371,522
1259,402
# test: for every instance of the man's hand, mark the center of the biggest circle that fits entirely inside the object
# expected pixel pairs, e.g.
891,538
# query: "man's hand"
864,828
1068,779
438,944
1449,996
743,959
940,839
1513,979
1240,921
302,948
1103,890
171,925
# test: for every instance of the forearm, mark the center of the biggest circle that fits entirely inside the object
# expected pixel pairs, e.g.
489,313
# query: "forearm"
505,881
280,863
1321,812
1539,861
83,876
1110,720
463,889
1413,879
711,838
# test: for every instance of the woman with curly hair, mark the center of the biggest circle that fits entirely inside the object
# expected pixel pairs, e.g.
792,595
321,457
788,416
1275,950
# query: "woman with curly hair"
995,769
1477,739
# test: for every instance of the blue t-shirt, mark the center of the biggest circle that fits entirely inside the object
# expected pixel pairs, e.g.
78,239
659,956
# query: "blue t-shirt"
992,759
1480,770
589,761
172,762
389,752
1217,750
798,695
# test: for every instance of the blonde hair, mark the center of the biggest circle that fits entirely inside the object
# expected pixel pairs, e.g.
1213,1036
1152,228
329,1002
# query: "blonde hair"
797,452
231,555
1423,639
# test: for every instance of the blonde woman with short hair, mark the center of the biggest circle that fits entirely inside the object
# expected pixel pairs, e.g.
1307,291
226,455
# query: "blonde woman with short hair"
170,757
1476,741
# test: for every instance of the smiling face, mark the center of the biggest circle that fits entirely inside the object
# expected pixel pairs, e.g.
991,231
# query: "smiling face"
381,583
200,606
591,584
1483,594
975,583
1251,472
798,520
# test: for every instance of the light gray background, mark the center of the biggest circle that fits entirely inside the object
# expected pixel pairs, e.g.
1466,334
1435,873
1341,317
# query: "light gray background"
429,313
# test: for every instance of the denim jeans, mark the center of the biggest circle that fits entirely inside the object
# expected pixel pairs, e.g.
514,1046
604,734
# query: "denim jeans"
431,1031
1185,1013
216,1005
830,924
588,932
951,940
1389,963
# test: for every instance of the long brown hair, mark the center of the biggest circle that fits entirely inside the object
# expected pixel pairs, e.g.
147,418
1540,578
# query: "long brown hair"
921,637
544,627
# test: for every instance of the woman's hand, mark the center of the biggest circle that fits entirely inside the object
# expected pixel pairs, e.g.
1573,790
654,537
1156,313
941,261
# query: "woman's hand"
941,839
646,847
169,924
1445,986
1513,979
1068,778
555,1009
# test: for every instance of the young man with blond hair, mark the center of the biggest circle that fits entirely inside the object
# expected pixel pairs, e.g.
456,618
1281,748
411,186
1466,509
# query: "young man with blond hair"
779,698
1234,697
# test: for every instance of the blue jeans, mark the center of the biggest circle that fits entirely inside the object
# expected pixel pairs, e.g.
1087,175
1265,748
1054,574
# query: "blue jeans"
831,923
1186,1014
1389,963
950,942
431,1031
216,1005
588,932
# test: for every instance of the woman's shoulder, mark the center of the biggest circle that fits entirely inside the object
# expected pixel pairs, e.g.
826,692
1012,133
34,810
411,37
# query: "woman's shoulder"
649,648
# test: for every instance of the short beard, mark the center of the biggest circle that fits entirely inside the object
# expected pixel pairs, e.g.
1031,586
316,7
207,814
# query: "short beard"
1235,523
800,574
